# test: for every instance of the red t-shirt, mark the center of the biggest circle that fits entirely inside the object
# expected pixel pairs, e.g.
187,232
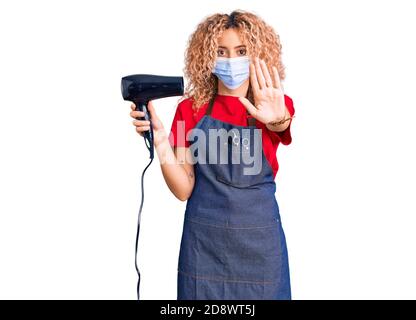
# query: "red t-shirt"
230,109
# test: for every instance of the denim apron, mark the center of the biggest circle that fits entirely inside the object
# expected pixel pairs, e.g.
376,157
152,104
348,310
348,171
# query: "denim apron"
233,245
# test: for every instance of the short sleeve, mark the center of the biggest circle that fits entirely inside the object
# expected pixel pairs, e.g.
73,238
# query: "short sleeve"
285,136
182,123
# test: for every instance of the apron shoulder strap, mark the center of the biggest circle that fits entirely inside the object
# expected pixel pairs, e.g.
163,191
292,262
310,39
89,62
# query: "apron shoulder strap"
211,104
251,121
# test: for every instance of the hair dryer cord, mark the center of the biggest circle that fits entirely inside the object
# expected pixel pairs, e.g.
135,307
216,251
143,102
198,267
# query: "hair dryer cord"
138,222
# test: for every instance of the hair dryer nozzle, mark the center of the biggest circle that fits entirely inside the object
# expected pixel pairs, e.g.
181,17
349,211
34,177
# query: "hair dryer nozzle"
146,87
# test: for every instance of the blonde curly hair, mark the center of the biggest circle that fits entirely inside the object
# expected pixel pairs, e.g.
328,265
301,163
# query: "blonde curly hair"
201,52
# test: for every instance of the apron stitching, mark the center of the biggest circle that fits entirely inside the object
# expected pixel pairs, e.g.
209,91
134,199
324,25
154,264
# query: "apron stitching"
275,222
226,280
239,185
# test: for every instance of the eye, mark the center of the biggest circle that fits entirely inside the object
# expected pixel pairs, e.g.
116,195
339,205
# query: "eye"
242,52
221,52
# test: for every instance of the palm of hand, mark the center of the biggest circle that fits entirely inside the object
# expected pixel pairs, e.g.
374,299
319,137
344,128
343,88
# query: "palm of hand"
267,93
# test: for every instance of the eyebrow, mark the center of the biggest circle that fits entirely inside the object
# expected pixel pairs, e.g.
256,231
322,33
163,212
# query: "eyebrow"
234,47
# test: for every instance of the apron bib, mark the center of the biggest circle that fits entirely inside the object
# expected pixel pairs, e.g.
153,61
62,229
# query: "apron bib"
233,245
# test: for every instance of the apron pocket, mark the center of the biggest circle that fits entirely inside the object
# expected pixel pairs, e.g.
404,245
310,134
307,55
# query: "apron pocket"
238,184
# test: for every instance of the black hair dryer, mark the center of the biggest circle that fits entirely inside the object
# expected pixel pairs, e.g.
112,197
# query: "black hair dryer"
141,88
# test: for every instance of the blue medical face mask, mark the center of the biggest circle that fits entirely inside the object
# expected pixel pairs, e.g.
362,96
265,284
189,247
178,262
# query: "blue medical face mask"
232,71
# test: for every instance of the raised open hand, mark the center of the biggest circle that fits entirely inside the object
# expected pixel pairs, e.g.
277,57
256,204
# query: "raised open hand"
267,92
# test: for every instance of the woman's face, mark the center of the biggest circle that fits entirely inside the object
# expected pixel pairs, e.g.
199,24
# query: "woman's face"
230,45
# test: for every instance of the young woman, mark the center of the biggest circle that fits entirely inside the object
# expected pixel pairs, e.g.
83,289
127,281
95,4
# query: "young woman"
233,245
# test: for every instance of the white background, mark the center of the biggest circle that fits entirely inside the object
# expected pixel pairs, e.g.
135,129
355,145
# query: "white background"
71,160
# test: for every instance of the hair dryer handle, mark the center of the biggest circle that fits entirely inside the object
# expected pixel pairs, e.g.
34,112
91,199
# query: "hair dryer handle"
148,135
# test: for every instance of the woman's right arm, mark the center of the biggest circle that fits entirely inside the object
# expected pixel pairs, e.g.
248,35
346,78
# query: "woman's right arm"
177,169
176,165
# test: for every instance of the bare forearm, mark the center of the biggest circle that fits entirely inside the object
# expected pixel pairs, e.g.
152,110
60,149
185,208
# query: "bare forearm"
177,178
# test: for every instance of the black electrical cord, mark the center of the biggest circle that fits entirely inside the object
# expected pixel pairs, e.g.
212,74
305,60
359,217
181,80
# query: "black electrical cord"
150,148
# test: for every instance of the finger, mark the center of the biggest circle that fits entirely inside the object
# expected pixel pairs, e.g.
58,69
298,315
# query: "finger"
142,129
139,123
276,78
152,110
259,74
249,106
136,114
253,78
133,106
266,73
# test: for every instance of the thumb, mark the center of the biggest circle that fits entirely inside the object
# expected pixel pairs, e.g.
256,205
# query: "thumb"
154,118
249,106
